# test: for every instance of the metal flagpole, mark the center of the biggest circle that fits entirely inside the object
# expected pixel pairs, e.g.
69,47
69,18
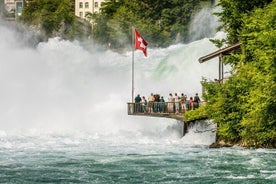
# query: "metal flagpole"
133,48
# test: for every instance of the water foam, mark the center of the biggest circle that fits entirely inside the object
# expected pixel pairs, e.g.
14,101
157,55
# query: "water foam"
61,86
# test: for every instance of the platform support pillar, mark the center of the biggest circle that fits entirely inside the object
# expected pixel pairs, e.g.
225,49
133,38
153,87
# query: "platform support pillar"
185,128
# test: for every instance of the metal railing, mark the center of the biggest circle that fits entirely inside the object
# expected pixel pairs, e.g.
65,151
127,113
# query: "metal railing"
160,107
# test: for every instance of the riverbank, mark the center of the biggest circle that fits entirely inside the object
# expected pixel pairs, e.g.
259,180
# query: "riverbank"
221,144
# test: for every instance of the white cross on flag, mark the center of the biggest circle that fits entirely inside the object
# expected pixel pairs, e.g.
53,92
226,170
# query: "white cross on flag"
140,43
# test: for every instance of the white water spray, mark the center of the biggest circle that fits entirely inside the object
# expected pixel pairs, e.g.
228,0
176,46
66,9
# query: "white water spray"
204,23
60,86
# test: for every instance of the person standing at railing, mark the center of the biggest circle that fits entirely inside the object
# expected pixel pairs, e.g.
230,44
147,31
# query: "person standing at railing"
162,104
151,102
144,104
170,103
137,103
188,105
176,103
196,101
183,99
191,103
156,103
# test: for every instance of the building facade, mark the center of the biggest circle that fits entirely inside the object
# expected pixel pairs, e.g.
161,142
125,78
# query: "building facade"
82,7
14,7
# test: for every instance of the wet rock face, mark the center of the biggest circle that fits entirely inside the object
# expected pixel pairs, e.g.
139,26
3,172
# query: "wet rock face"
220,144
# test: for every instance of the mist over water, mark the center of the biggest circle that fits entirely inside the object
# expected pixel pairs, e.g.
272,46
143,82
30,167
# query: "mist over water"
60,85
63,117
204,23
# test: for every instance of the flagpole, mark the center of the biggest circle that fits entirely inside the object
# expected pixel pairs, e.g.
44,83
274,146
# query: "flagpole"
133,48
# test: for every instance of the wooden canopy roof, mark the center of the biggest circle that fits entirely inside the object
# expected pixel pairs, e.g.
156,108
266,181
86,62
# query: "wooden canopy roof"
219,52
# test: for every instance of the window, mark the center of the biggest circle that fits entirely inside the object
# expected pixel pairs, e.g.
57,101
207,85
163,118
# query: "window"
81,14
96,4
86,5
81,5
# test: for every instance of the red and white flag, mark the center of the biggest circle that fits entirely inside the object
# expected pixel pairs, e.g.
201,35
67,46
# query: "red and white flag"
140,43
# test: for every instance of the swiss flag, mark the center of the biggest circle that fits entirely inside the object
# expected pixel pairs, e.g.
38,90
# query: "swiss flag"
140,43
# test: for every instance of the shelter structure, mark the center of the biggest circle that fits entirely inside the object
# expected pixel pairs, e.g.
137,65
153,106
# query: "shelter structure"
220,53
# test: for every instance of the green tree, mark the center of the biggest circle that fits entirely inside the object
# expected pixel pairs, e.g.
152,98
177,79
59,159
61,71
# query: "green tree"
258,38
50,16
160,22
232,14
244,107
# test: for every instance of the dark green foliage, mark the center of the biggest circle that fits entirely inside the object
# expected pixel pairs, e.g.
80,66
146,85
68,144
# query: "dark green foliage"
53,17
258,38
232,15
244,107
160,22
197,114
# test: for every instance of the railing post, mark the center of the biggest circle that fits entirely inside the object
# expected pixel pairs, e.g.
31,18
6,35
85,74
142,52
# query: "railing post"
130,108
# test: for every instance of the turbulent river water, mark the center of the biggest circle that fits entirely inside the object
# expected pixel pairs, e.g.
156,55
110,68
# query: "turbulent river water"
64,120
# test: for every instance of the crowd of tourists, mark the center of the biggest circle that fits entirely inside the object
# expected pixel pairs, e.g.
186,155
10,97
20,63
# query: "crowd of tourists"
174,103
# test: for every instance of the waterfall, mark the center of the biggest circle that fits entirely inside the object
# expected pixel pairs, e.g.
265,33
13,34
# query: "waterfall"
62,86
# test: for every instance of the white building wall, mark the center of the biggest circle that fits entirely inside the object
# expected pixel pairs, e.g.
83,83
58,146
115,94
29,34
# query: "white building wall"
10,6
84,6
14,6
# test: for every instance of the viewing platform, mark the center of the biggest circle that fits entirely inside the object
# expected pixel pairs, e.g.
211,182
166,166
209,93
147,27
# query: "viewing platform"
160,109
172,109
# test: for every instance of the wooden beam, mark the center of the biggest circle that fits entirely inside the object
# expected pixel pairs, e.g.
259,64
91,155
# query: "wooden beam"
217,53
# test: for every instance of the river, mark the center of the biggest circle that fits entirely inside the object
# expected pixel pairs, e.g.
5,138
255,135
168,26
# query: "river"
64,117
